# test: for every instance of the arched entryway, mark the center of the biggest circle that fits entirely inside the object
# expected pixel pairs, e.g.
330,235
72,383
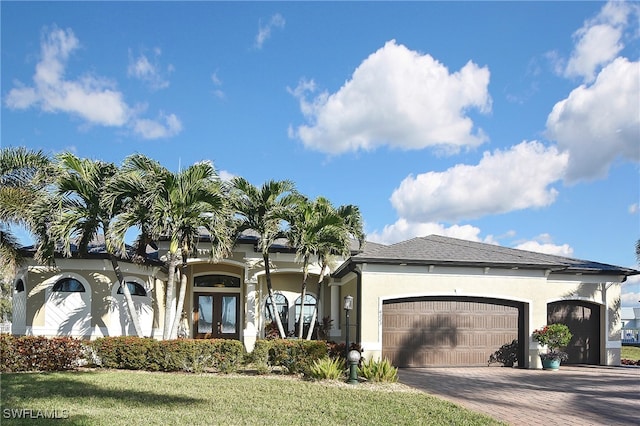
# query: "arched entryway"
583,320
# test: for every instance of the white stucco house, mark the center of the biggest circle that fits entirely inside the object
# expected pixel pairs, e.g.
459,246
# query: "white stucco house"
423,302
630,319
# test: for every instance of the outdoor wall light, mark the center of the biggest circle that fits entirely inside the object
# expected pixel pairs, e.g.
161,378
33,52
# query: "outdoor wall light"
354,358
348,303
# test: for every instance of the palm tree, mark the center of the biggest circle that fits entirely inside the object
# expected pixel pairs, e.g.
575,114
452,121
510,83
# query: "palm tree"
182,207
338,242
85,215
25,176
263,210
313,228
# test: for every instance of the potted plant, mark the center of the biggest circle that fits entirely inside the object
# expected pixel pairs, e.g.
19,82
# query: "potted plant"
554,337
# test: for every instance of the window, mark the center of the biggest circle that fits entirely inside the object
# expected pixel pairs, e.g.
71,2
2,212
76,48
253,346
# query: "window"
134,288
282,305
70,285
309,307
216,281
19,286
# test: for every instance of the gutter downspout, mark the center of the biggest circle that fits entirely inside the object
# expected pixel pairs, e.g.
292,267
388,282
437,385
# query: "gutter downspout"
359,305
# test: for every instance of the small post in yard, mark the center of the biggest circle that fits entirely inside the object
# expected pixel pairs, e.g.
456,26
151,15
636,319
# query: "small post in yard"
348,305
353,358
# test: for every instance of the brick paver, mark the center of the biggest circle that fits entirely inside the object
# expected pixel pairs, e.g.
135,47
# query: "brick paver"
573,395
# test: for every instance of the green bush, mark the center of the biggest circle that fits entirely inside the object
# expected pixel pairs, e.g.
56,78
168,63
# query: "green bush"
259,357
327,369
169,355
296,356
39,353
227,355
125,352
378,371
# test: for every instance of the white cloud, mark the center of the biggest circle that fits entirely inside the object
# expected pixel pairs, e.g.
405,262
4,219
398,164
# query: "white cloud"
598,42
396,97
164,127
225,175
218,93
503,181
544,244
264,30
631,291
600,122
149,71
403,230
92,98
633,208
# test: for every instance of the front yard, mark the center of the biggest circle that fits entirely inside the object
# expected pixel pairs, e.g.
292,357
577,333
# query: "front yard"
630,352
110,397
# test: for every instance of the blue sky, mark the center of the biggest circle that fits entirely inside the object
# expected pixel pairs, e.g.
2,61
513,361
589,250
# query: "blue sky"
514,123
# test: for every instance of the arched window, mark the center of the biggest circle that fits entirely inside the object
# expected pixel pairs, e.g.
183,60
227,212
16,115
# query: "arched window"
134,288
19,286
309,307
282,305
216,281
69,285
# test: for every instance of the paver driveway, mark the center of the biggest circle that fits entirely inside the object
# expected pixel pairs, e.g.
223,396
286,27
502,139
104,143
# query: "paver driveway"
571,396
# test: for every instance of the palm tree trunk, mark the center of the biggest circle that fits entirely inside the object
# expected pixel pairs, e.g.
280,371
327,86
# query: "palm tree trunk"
183,291
303,295
169,306
133,314
274,308
314,317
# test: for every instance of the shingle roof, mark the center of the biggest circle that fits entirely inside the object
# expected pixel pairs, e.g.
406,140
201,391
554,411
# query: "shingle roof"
438,250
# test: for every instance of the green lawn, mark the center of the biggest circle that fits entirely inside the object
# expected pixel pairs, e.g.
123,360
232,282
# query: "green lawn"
631,352
131,397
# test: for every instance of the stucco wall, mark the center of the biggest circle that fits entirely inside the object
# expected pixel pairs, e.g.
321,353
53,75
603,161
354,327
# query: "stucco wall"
532,287
98,277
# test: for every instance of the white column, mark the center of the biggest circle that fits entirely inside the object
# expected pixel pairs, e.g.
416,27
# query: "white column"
249,334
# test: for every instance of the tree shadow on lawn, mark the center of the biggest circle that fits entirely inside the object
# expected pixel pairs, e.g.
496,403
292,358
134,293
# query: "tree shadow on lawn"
21,388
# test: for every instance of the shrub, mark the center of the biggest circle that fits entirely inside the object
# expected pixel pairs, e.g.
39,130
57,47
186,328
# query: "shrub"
507,355
38,353
553,336
338,350
226,355
125,352
378,371
169,355
296,356
259,357
327,369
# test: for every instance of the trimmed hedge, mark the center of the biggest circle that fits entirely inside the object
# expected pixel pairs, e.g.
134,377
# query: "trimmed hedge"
296,356
135,353
39,353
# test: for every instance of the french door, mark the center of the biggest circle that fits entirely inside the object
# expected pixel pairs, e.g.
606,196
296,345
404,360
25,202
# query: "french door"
216,316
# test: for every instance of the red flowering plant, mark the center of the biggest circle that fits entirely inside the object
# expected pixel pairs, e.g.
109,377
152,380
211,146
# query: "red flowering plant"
554,337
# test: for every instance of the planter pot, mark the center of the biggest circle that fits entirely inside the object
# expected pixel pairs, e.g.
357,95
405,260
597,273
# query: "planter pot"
550,364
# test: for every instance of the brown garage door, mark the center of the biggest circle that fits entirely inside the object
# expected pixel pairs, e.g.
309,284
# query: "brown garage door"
583,320
438,331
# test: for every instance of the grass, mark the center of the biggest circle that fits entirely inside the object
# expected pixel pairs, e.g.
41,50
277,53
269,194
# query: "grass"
110,397
631,352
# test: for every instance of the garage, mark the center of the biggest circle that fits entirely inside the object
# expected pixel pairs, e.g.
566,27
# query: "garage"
583,320
448,331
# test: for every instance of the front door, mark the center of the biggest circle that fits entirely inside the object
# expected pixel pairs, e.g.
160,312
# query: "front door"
216,316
